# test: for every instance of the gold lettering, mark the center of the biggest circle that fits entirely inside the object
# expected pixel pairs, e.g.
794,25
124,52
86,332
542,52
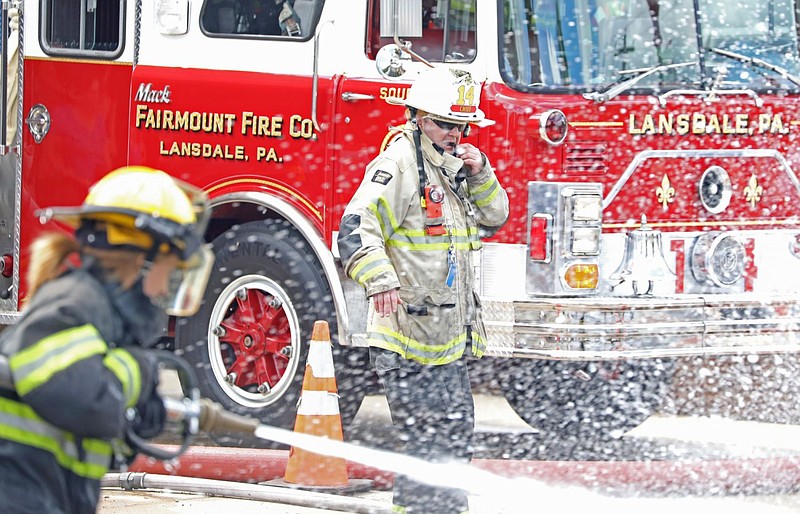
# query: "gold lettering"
701,123
777,126
712,124
682,124
763,122
267,154
648,126
257,125
632,125
151,120
141,114
300,127
698,123
742,120
182,120
202,150
664,124
189,121
396,92
166,119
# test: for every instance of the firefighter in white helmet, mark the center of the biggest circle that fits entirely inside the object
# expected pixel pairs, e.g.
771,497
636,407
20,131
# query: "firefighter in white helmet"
83,374
408,236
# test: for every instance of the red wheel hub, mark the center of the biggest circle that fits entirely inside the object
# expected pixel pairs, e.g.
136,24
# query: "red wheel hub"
257,333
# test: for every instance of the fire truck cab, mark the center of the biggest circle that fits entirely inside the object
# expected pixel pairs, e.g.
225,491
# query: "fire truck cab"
647,146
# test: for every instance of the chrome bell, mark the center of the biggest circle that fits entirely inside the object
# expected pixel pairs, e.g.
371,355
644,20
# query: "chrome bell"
643,261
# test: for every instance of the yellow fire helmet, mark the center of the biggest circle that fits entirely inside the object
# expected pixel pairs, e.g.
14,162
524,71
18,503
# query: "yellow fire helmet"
448,94
144,209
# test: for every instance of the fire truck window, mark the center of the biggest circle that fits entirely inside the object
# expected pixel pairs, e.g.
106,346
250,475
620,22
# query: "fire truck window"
278,18
89,28
591,44
438,30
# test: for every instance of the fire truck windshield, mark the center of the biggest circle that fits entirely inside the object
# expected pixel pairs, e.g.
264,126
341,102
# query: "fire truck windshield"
593,45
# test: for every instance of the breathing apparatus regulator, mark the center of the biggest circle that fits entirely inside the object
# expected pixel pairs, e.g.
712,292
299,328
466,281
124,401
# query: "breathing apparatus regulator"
449,97
146,210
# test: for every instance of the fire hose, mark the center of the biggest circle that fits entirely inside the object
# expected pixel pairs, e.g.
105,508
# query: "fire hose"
194,413
197,415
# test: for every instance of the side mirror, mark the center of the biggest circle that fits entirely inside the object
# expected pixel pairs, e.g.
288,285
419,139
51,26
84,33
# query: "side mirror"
391,62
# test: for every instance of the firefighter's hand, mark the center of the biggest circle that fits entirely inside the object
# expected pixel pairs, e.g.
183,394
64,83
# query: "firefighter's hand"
386,302
149,416
472,157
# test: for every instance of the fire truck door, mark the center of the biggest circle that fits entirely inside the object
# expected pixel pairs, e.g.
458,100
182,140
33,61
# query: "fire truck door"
9,160
365,113
78,57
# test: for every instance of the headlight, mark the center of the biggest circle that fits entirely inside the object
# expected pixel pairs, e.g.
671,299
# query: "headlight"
585,240
586,208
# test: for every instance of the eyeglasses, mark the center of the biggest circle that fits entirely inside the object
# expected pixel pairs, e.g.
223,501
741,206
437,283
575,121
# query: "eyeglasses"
446,125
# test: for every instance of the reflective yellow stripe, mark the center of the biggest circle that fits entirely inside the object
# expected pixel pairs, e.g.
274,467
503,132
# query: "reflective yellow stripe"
484,194
418,240
478,344
384,337
374,271
36,364
425,247
385,216
19,423
126,369
370,266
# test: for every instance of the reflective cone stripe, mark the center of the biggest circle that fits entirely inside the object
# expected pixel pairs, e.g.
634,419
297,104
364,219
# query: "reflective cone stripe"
318,415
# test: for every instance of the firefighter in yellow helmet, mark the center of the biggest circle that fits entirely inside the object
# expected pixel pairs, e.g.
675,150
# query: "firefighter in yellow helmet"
408,237
83,374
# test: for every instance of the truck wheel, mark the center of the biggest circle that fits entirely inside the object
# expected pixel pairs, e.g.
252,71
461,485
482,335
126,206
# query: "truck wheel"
249,340
598,400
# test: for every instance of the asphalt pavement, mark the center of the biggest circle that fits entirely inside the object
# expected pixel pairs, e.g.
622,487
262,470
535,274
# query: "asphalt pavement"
670,463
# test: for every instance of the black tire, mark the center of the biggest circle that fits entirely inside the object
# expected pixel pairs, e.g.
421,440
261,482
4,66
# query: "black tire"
249,340
599,400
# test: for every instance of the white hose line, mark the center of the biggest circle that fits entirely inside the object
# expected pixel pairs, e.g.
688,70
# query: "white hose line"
240,490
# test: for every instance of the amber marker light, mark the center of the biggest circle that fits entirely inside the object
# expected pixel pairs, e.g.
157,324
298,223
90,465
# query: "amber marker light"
582,276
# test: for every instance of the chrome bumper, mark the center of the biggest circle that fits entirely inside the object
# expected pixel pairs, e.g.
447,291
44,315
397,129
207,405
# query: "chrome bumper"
614,328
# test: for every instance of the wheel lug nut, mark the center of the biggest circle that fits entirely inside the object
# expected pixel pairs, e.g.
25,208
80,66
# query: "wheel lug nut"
275,303
287,351
264,388
219,331
230,378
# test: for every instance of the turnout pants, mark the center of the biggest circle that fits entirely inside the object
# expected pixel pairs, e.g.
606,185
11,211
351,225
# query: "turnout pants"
434,415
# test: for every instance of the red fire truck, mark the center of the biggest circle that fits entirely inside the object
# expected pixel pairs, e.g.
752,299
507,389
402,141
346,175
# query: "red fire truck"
648,148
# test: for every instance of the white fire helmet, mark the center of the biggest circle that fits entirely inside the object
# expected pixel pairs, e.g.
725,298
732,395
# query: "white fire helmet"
446,93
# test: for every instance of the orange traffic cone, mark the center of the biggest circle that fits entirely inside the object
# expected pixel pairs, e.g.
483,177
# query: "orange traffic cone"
318,415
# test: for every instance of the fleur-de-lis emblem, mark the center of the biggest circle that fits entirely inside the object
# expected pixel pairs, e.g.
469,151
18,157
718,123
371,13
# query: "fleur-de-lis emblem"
665,193
753,191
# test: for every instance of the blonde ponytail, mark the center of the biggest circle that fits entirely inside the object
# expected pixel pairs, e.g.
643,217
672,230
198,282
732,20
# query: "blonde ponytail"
48,254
